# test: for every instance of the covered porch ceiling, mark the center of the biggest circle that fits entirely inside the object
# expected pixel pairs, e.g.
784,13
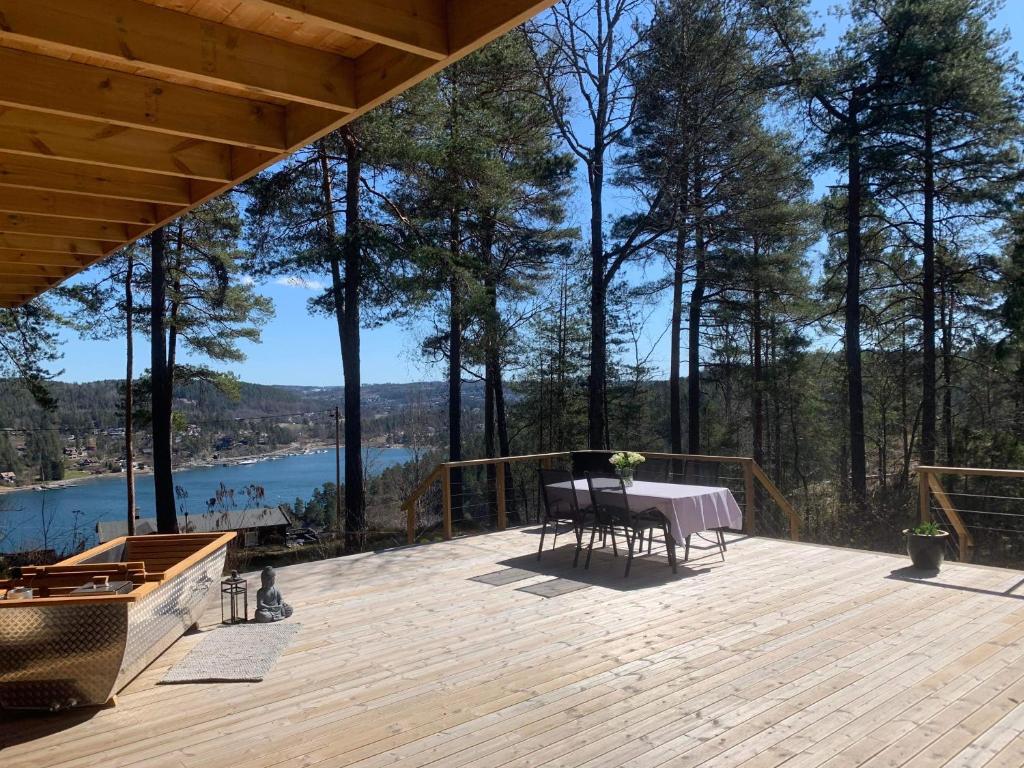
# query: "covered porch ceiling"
116,116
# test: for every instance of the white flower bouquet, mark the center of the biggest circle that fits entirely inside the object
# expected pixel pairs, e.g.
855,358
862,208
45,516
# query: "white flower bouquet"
627,460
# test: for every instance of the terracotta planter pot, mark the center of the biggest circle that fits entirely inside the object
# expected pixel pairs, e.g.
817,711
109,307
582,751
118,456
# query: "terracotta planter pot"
927,552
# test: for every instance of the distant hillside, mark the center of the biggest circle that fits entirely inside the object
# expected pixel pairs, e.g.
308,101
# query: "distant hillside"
84,435
96,405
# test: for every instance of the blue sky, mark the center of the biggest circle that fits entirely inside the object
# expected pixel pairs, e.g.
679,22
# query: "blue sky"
301,349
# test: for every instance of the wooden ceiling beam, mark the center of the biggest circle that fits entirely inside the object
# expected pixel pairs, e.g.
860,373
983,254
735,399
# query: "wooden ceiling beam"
29,224
14,299
9,283
20,256
414,26
33,270
66,245
158,41
472,23
114,146
132,101
57,175
72,206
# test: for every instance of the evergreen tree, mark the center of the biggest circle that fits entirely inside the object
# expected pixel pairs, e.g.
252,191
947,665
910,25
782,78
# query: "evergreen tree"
950,155
201,303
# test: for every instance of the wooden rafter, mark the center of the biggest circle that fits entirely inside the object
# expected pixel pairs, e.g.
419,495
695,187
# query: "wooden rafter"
414,26
30,224
116,116
43,135
159,42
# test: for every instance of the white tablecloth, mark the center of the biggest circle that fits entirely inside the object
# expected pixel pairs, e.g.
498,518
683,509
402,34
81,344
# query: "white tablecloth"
689,508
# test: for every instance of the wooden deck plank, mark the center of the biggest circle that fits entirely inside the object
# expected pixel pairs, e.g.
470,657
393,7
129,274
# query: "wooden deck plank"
786,654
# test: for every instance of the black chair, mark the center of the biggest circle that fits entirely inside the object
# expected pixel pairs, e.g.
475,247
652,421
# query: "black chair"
561,507
610,504
701,472
590,461
653,470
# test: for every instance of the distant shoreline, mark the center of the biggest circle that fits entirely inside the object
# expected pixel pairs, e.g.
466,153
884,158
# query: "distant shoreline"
49,485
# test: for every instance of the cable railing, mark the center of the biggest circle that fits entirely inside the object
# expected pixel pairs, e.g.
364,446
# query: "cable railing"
982,509
478,495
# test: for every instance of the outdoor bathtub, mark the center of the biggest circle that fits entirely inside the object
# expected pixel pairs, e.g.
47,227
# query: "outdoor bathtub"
60,650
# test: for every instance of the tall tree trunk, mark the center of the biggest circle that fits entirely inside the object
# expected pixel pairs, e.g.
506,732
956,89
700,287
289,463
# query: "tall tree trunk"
455,392
928,301
597,415
163,480
696,308
337,287
355,500
346,316
947,315
129,395
757,400
675,407
854,375
455,364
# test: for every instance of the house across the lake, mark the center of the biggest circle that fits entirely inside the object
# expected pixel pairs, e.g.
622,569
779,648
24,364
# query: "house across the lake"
265,525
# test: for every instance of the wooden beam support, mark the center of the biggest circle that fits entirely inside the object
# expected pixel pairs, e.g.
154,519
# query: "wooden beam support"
20,256
157,41
19,283
14,299
113,146
414,26
138,102
60,176
29,224
77,206
68,245
33,270
472,24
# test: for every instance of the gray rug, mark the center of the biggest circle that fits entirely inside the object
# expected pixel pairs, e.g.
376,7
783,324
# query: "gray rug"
553,588
243,653
504,576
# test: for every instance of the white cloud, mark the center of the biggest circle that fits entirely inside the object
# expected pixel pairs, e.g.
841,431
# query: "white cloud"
301,282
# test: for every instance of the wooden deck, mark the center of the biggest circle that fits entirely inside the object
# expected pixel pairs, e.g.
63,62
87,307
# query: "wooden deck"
787,654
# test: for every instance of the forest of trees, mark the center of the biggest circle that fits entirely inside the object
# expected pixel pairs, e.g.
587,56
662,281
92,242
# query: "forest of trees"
823,240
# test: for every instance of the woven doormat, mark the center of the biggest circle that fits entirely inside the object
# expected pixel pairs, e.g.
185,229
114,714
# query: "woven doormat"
244,653
504,576
553,588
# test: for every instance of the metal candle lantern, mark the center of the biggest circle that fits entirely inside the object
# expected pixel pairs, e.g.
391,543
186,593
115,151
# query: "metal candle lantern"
234,593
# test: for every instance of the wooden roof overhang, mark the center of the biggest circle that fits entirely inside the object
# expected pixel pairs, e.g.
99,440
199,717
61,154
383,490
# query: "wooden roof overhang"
116,116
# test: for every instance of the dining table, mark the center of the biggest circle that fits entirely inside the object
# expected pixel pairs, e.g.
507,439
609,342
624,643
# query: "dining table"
690,509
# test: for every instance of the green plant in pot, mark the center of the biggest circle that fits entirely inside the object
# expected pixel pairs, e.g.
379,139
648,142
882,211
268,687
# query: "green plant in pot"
926,545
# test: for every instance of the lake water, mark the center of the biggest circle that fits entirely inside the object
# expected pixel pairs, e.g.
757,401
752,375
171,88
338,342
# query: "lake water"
82,506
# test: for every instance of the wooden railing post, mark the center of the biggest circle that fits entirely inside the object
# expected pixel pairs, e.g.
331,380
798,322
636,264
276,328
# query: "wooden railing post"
924,505
500,493
749,498
446,492
410,523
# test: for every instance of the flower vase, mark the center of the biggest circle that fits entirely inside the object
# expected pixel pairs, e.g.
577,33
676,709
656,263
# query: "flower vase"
626,474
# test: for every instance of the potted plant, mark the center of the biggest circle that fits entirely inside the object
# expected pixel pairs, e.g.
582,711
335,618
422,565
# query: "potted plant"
625,462
926,545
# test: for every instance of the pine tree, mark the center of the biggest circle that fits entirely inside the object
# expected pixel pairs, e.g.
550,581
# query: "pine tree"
950,156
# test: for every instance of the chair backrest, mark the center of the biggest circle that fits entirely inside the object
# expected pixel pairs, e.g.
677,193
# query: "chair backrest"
608,497
558,503
701,472
655,470
590,461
